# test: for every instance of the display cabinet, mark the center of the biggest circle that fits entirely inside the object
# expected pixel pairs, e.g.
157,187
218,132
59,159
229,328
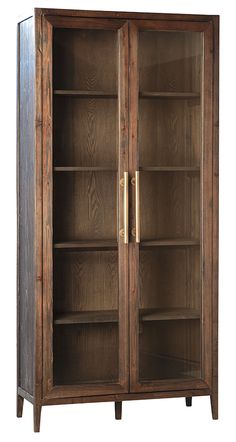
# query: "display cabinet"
117,207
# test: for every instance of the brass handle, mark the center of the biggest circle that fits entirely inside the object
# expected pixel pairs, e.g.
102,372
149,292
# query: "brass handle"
126,208
137,208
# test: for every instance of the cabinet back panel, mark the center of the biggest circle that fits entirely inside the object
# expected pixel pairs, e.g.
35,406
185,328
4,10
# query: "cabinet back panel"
85,131
170,349
169,205
85,354
169,132
85,206
170,61
85,59
85,281
170,277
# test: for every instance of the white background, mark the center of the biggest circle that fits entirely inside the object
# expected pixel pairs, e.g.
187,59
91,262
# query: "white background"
164,419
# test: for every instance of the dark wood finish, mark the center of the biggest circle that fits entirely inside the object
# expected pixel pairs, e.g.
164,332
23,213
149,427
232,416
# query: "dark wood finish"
79,129
47,190
19,405
25,395
125,15
188,401
26,207
88,94
37,417
126,397
96,245
170,243
169,314
184,95
87,317
215,228
83,169
118,410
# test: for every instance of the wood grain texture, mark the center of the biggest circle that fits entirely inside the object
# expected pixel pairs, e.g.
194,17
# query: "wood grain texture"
47,189
39,212
75,292
107,318
127,396
88,204
170,278
169,206
26,207
170,62
77,347
125,15
85,132
90,64
169,132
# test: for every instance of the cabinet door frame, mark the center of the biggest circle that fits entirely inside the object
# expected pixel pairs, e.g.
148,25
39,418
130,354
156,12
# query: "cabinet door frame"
48,23
209,206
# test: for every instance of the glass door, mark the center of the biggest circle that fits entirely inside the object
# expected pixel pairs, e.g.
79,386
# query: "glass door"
89,259
167,112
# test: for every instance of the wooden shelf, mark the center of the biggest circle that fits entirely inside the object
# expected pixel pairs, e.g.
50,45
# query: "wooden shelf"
184,95
83,169
170,169
103,316
170,242
163,314
84,94
96,245
88,317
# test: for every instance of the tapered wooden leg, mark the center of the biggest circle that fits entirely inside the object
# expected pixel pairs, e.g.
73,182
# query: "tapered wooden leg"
118,410
188,401
214,405
19,405
37,416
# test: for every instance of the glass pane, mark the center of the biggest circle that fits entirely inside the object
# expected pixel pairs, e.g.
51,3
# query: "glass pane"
86,157
170,150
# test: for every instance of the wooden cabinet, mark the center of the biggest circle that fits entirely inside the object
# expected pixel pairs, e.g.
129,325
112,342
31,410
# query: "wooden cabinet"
117,207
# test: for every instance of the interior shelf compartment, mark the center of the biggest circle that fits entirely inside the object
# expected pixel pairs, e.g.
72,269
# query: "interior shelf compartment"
91,245
88,202
155,94
85,281
169,206
86,353
169,281
85,132
160,367
85,93
166,353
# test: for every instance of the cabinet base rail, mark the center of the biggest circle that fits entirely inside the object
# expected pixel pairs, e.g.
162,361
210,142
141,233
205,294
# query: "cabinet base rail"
116,398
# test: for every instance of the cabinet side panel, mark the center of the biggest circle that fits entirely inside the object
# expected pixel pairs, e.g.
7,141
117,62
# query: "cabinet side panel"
26,205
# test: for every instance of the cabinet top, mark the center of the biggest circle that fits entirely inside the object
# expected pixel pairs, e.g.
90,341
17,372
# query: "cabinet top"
114,14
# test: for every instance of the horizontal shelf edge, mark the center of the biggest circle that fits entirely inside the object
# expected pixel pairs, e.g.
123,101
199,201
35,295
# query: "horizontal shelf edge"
111,316
85,245
153,94
83,169
170,169
170,242
81,93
